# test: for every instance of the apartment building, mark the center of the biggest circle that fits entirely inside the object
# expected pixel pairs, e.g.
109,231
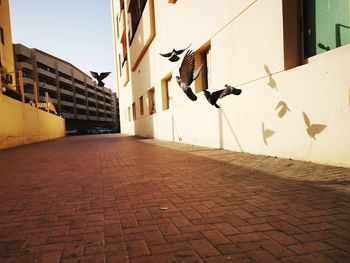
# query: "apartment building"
289,58
75,94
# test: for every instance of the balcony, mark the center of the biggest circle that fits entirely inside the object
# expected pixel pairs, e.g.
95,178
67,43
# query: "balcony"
67,115
121,26
78,85
24,64
67,81
47,86
80,96
91,99
27,80
80,106
47,73
93,118
67,92
81,117
67,103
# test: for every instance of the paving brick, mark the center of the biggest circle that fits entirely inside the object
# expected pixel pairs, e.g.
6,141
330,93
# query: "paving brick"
204,248
137,248
310,247
281,237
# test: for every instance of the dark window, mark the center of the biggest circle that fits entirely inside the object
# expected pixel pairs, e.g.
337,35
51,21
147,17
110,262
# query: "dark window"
135,9
141,106
2,36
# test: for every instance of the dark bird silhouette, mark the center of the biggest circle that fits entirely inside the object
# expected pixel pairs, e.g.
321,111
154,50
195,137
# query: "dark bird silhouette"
188,74
213,97
313,129
173,55
100,77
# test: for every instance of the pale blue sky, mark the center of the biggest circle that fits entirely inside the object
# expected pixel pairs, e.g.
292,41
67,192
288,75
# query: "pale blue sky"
77,31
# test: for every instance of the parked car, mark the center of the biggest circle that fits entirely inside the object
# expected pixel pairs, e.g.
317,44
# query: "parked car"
99,130
72,132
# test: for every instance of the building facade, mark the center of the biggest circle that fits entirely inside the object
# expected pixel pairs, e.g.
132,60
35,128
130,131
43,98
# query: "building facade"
290,59
75,95
7,65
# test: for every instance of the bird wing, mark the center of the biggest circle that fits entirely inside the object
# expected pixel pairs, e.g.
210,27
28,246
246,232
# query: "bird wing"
104,75
225,92
197,72
166,54
180,51
216,95
187,67
94,74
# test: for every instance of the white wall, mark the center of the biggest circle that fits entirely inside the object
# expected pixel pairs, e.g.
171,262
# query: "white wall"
246,51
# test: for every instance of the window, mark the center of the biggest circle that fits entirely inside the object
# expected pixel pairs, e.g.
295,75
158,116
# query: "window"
203,57
134,111
166,84
2,36
326,25
135,9
151,102
141,106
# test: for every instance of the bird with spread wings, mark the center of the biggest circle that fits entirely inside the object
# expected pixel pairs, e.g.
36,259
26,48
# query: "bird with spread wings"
100,77
188,74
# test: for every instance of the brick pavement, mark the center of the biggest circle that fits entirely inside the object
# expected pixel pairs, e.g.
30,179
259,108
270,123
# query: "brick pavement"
111,198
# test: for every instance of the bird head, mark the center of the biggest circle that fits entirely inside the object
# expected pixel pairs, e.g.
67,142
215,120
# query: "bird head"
178,80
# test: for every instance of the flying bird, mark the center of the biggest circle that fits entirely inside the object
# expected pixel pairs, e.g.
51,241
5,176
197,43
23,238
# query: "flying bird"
188,74
313,129
173,55
100,77
213,97
283,109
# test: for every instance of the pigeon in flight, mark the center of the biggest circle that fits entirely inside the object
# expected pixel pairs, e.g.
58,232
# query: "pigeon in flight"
100,77
188,74
213,97
173,55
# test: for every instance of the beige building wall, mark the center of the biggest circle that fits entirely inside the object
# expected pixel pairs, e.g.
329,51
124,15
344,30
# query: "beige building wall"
249,50
6,50
23,124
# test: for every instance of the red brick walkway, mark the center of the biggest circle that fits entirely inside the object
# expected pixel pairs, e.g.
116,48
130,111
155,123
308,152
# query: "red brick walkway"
109,198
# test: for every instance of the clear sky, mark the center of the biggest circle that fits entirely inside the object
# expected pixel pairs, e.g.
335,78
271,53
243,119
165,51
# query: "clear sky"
77,31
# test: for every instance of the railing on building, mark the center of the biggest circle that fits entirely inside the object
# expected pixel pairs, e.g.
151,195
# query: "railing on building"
9,88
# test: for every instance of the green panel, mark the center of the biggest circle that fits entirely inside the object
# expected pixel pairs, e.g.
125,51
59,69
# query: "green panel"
326,25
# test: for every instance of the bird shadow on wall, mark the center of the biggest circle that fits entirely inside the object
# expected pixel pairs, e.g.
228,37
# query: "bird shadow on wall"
313,129
272,83
266,133
282,108
222,116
